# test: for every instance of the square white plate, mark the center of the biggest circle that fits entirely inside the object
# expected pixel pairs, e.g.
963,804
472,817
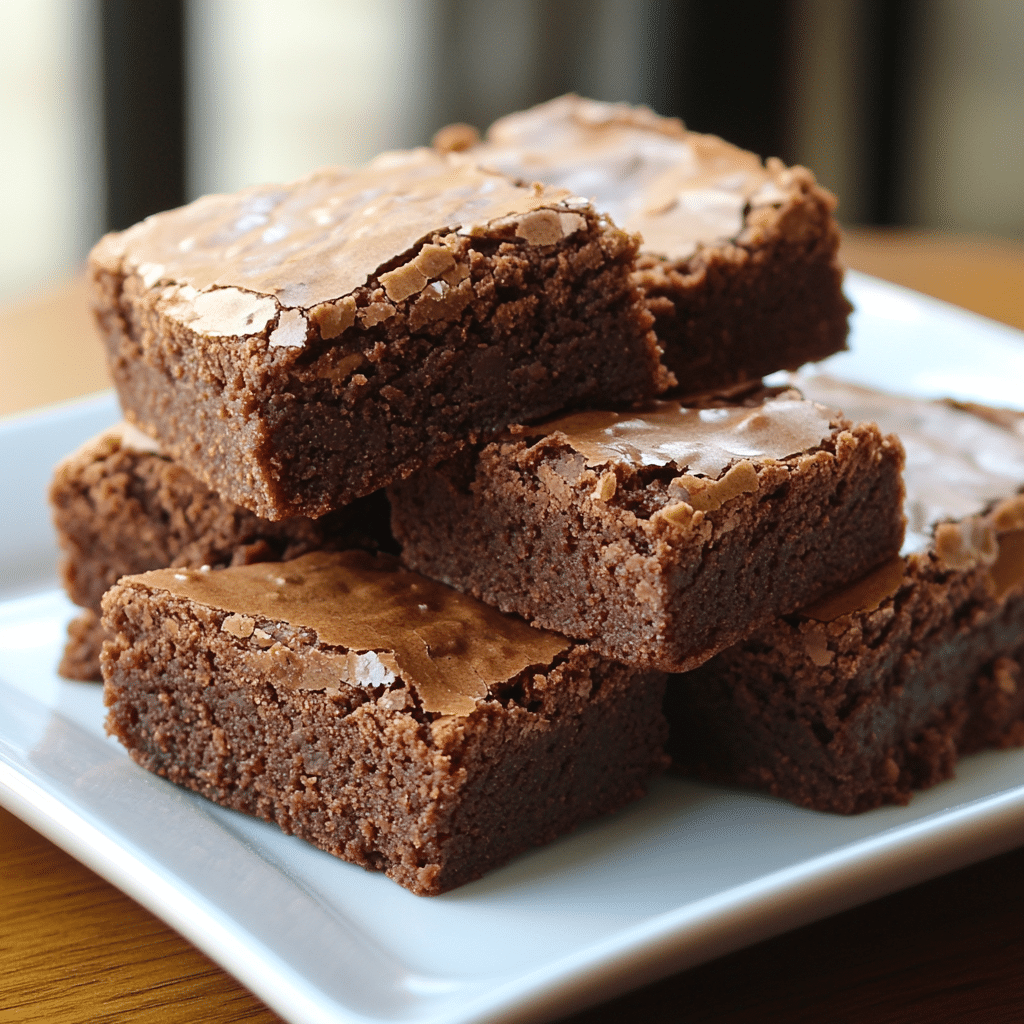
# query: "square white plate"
687,874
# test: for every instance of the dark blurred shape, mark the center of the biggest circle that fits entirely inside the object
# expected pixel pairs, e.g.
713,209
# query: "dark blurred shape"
730,69
890,29
142,43
563,40
722,68
496,56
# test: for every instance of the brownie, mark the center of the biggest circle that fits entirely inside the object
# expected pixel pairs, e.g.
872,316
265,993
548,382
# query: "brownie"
387,719
298,346
878,689
120,506
738,258
660,536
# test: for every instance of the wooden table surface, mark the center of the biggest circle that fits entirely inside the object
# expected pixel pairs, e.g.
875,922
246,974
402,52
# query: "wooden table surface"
75,949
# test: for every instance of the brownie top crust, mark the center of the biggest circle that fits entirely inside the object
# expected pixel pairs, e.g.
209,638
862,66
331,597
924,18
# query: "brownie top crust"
228,265
963,476
677,188
389,623
960,458
705,442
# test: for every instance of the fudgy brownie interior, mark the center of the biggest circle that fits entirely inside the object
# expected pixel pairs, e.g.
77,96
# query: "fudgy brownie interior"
661,535
389,720
296,347
880,688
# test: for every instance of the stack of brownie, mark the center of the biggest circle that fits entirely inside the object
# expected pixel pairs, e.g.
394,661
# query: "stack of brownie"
590,490
878,689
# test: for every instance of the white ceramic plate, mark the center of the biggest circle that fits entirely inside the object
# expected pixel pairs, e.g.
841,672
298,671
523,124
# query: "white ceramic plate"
687,874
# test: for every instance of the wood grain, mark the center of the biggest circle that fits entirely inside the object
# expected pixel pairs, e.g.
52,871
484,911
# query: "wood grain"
74,949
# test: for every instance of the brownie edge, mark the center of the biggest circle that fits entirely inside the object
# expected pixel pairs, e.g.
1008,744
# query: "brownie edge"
120,506
878,690
361,770
647,535
739,257
298,347
858,712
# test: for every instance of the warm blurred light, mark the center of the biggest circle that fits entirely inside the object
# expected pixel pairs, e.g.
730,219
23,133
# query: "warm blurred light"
50,195
277,89
967,171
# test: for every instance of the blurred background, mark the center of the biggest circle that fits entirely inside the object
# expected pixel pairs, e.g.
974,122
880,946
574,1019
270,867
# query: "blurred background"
912,111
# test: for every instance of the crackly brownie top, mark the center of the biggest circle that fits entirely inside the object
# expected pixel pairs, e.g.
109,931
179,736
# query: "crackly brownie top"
716,448
960,458
704,441
227,264
447,647
964,469
677,188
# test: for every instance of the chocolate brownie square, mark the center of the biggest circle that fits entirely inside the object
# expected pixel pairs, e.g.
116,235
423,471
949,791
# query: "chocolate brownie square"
738,258
391,721
878,689
121,506
660,536
298,346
